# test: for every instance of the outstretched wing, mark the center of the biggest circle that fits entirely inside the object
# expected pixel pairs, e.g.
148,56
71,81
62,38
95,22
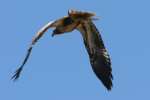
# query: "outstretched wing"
35,39
64,24
99,58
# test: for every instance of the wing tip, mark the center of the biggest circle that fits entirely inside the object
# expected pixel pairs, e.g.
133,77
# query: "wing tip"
109,84
17,74
104,74
107,81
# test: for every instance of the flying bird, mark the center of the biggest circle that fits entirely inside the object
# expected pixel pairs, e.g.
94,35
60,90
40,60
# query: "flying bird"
83,22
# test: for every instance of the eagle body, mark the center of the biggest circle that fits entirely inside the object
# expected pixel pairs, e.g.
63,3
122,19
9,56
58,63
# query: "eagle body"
83,22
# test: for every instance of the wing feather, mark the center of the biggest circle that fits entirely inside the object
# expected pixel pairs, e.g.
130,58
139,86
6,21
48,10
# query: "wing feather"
99,58
39,34
62,25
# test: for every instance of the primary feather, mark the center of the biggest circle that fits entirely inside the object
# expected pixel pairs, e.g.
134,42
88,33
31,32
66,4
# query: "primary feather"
99,58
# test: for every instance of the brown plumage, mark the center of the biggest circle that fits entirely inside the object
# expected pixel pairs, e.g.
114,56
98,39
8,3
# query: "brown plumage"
82,21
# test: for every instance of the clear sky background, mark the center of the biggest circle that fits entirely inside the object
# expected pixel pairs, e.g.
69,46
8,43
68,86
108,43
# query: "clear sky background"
59,67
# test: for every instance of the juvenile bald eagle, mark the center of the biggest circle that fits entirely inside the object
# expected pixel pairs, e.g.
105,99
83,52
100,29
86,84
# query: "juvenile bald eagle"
83,22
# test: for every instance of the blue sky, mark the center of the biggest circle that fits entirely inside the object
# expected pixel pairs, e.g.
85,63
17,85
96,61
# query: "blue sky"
59,67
